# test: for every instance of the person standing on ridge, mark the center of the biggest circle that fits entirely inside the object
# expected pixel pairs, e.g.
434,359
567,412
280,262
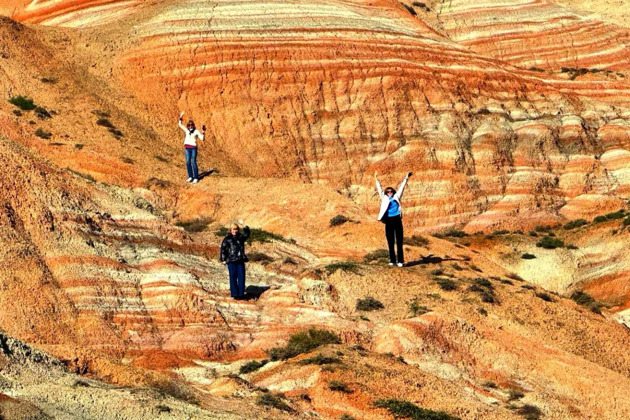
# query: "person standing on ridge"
190,143
233,255
390,213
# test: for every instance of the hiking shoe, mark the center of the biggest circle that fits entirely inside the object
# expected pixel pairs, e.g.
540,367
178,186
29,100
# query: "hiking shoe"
195,181
189,180
400,264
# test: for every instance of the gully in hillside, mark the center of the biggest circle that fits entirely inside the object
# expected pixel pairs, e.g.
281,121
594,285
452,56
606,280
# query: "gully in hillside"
233,255
190,143
390,213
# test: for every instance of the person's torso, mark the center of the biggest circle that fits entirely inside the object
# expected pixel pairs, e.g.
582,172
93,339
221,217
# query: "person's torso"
191,138
394,207
235,248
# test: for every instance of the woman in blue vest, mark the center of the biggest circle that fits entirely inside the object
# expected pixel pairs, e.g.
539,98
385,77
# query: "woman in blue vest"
390,213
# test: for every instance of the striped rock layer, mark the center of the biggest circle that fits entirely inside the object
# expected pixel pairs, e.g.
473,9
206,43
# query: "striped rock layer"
328,91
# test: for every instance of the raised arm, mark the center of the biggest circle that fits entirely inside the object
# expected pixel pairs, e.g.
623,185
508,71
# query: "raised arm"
179,122
246,233
402,186
378,184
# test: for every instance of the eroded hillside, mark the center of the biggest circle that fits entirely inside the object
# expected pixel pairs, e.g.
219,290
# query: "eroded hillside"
514,119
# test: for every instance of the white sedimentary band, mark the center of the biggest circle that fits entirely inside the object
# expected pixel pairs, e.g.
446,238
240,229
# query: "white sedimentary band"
536,33
76,14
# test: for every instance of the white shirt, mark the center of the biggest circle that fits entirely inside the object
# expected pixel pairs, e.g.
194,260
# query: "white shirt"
385,198
191,137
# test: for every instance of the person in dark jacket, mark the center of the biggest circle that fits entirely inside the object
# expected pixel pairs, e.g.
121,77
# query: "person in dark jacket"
233,255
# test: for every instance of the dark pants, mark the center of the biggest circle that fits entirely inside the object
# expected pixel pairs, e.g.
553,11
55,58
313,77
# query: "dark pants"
191,163
237,279
394,230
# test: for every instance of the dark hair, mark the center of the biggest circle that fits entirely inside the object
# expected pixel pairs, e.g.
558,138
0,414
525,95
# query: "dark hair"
191,122
390,189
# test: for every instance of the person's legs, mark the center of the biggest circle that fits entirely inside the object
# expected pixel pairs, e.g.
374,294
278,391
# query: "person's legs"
233,270
188,162
241,279
389,234
399,239
195,169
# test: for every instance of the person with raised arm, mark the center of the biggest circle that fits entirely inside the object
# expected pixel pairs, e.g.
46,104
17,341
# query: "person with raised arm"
233,255
390,213
190,144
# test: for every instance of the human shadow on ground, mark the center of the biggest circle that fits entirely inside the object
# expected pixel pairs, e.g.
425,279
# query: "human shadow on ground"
207,173
254,292
433,259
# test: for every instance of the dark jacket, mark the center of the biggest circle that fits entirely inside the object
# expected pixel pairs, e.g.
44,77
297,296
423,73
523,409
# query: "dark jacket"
233,247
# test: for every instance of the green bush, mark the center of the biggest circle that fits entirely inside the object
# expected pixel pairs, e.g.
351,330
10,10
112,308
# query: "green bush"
378,255
339,387
259,257
22,102
528,287
457,267
303,342
416,240
500,232
252,366
338,220
514,276
320,360
369,304
527,256
42,113
549,242
475,268
406,410
575,224
455,233
541,228
343,266
276,401
533,233
346,417
446,284
194,225
599,219
571,246
616,215
489,384
104,122
161,408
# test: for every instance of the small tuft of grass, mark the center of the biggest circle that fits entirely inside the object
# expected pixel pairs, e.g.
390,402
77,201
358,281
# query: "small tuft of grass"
549,242
339,386
544,296
515,394
252,366
259,257
79,146
416,240
484,288
575,224
127,160
276,401
416,308
42,113
161,158
87,177
489,384
406,410
542,229
338,220
527,256
475,268
43,134
445,284
586,300
194,225
303,342
626,221
572,247
104,122
49,80
457,267
533,233
320,360
482,311
343,266
530,412
378,255
528,287
161,408
506,281
514,276
455,233
22,102
346,417
369,304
